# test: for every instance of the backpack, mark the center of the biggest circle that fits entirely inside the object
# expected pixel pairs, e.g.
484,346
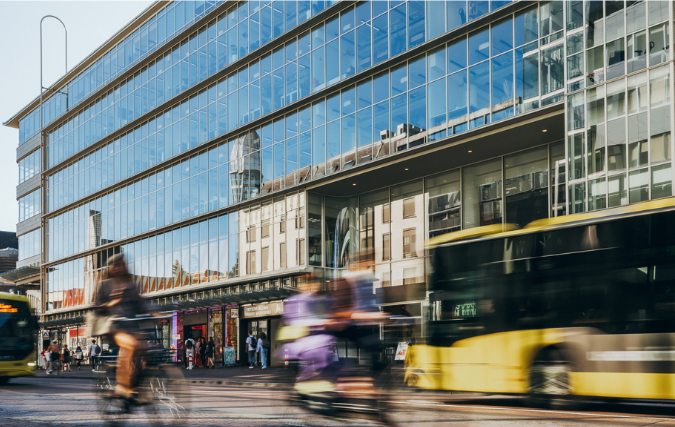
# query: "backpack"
188,344
98,349
254,342
266,343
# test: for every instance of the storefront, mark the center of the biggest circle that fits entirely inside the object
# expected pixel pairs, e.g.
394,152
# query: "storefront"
263,317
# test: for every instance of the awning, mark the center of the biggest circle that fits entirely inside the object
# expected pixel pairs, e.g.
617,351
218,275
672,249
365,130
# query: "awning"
19,274
72,321
271,294
223,300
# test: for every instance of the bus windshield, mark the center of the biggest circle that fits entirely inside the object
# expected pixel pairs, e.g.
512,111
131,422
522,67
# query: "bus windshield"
15,330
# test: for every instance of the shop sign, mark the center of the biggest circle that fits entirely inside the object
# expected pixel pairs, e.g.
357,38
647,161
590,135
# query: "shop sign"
45,335
401,351
234,313
228,356
176,336
265,309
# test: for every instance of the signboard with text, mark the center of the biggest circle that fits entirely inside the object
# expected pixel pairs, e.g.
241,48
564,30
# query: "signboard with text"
263,310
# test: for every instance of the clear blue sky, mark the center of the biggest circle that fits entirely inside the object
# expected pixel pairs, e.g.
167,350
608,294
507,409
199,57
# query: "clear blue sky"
89,23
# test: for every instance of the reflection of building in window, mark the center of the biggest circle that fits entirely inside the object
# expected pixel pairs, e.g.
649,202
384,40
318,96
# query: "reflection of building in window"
386,279
444,213
250,262
300,251
265,258
410,276
282,255
386,247
409,207
245,174
386,213
409,243
490,203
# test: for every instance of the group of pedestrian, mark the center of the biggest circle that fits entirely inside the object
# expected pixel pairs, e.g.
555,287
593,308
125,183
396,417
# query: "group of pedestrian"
259,344
202,350
55,359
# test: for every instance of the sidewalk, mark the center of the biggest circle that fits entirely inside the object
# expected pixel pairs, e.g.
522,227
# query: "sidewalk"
230,375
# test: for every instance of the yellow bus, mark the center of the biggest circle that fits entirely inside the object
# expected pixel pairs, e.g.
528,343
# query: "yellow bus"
580,305
17,354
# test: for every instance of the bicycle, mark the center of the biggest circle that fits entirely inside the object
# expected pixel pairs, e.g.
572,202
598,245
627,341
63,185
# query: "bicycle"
159,392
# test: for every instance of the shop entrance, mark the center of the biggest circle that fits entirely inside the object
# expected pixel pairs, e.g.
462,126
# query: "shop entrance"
257,326
195,332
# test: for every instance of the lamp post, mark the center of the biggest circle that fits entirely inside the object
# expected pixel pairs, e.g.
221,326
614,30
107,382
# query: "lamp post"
42,87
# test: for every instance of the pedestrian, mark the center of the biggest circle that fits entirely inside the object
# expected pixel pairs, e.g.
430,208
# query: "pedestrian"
198,352
262,347
202,348
65,358
54,351
251,343
189,351
78,357
94,353
210,350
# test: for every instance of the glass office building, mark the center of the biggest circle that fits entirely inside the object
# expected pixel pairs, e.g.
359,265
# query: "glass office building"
227,148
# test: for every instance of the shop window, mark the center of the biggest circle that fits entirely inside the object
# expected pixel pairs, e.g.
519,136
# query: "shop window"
386,247
409,243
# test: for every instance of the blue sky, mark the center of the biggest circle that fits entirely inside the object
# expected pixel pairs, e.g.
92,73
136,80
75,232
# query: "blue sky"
89,23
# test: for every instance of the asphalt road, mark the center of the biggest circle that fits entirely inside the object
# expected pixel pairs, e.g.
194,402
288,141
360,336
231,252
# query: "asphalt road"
60,401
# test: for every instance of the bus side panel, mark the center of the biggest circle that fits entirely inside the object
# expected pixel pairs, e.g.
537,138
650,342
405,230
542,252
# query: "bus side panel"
19,368
490,363
623,384
626,365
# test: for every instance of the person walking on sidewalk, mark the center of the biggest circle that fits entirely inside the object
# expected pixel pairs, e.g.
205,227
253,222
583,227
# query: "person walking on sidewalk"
210,349
262,348
78,357
65,358
202,349
251,344
54,351
94,352
198,353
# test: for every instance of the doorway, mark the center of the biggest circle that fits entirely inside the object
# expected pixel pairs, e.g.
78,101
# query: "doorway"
257,326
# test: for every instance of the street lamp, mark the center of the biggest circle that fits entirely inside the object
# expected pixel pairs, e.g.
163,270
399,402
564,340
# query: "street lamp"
42,87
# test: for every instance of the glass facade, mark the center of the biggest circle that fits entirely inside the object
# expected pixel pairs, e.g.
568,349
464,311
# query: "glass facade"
394,222
214,250
619,127
197,164
30,165
250,26
30,205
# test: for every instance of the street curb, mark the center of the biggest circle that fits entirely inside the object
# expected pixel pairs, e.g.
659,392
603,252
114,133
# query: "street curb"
188,381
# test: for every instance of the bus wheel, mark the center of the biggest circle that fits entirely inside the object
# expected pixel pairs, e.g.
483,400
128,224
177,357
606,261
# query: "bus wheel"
550,384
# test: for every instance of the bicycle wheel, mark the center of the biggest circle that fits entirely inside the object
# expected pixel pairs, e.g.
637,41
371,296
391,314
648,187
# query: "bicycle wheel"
166,399
114,410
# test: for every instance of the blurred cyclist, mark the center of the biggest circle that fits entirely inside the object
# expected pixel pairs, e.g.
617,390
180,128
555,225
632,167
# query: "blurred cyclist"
118,297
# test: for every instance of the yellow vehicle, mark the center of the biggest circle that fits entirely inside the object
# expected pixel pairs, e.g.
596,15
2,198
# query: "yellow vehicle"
17,354
576,305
